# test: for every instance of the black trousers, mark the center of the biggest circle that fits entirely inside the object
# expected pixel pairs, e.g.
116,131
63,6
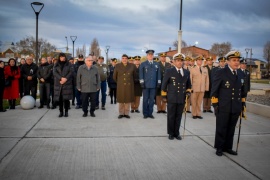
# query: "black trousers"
1,96
30,87
44,92
113,94
85,101
225,127
63,104
174,117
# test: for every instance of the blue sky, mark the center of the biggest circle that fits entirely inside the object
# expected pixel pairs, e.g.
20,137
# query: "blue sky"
128,26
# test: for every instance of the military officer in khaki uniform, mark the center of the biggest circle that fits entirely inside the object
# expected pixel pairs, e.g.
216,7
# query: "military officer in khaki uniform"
206,98
137,86
200,83
123,75
187,66
161,104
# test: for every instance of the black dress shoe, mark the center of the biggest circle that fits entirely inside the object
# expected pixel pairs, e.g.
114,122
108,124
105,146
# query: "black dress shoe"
188,111
53,107
48,107
137,111
66,114
232,152
103,108
84,115
120,116
151,116
204,111
210,111
61,114
97,107
199,117
159,111
92,114
164,112
194,117
3,110
145,117
127,116
132,111
41,106
178,137
219,152
171,137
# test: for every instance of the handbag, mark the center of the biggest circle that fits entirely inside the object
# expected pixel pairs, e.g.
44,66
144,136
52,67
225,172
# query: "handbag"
8,82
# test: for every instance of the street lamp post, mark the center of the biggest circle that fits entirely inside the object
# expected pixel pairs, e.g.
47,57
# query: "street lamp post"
107,51
247,50
73,39
67,45
180,29
37,13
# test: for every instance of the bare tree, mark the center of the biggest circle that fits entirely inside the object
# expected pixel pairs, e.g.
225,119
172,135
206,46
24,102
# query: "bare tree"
221,49
27,46
94,48
175,44
81,51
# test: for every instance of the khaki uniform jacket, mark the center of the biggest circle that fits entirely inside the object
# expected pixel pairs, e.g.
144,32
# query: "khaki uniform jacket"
199,81
124,77
103,71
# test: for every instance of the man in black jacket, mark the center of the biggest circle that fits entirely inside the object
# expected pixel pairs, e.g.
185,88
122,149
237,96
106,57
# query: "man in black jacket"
44,75
78,93
175,86
228,99
29,74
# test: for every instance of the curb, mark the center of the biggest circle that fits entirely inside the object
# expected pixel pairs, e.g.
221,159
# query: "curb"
259,109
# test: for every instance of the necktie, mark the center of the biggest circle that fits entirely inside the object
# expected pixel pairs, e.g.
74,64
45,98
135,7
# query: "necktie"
234,73
200,70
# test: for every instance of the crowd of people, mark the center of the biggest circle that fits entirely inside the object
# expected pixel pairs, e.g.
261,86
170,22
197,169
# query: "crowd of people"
182,82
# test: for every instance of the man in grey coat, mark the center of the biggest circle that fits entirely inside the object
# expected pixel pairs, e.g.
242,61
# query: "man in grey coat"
88,83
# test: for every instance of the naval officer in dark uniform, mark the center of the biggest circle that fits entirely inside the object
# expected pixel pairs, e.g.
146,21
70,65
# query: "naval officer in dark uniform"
150,79
243,67
228,98
176,85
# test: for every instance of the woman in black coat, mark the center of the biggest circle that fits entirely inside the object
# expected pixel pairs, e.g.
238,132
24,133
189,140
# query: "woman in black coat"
2,85
63,89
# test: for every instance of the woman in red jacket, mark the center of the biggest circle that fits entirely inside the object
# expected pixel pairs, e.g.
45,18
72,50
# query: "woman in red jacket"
12,73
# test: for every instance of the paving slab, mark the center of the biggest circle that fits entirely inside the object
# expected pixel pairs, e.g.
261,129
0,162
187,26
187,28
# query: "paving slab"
6,144
117,158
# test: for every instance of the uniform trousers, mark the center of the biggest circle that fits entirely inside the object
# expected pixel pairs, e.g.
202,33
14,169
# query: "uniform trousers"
225,127
196,101
85,101
206,104
161,105
1,97
136,103
124,108
189,103
103,89
63,103
148,101
174,117
113,94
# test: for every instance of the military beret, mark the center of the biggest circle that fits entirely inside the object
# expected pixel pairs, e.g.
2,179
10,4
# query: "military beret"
137,57
188,58
150,51
100,57
243,61
124,55
199,57
163,54
179,56
233,54
221,59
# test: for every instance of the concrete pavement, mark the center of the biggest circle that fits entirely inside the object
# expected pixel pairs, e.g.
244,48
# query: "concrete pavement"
36,144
